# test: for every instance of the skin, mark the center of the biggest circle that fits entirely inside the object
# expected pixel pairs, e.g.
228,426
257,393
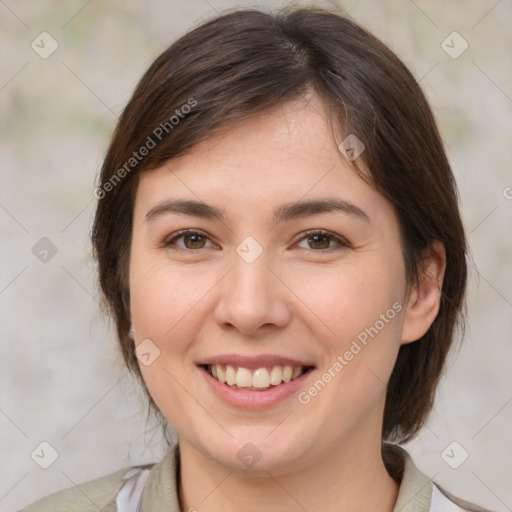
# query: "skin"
294,300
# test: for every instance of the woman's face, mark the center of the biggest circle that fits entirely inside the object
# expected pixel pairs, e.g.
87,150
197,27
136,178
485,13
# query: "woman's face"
257,289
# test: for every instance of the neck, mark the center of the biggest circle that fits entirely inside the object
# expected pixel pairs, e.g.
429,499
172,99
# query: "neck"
339,480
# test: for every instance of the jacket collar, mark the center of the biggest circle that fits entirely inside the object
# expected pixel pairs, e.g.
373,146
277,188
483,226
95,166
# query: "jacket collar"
160,491
415,492
414,495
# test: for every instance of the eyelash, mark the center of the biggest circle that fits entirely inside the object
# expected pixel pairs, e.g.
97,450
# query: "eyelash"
342,243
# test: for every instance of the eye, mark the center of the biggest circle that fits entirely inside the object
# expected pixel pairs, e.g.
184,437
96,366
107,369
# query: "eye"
321,239
192,239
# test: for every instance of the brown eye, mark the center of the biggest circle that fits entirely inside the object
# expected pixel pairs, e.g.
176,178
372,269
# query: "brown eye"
191,240
322,240
196,241
319,241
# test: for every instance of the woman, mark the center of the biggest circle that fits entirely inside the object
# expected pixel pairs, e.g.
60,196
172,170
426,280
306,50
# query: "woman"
279,243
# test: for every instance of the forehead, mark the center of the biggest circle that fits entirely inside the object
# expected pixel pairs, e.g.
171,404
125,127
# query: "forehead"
283,155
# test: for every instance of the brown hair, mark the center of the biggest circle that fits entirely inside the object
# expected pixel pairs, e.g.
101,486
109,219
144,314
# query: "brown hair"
243,62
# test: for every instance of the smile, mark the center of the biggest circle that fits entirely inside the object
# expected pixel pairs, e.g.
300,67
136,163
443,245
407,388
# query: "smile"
254,382
259,379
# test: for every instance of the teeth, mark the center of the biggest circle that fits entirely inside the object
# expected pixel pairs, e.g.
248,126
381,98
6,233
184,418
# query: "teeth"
230,375
296,372
276,376
287,373
243,378
262,378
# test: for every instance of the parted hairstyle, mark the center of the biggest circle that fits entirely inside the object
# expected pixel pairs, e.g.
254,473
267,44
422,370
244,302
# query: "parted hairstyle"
244,62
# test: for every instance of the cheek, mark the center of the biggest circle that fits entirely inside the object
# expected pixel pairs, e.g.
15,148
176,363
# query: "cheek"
165,303
348,300
361,306
163,298
338,302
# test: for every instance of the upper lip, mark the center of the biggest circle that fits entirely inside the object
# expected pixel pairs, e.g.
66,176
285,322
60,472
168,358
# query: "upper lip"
252,363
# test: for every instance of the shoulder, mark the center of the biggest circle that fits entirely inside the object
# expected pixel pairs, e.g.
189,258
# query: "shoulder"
91,496
442,500
417,492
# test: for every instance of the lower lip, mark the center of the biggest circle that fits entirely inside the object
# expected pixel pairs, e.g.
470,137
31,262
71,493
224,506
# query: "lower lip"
254,400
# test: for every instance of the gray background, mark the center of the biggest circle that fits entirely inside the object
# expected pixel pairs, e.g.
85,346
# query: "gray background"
61,378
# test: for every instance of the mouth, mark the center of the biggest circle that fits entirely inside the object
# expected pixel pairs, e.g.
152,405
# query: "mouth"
257,379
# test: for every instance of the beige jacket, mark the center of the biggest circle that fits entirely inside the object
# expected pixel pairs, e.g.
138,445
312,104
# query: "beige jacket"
152,488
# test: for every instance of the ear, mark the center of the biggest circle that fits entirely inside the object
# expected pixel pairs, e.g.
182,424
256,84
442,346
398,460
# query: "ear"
425,297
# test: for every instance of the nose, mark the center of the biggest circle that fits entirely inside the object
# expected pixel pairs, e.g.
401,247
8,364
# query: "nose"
252,297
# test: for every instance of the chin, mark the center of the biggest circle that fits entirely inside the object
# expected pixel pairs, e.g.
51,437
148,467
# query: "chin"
255,450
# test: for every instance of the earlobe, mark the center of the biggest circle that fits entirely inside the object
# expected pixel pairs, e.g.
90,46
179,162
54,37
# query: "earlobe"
425,297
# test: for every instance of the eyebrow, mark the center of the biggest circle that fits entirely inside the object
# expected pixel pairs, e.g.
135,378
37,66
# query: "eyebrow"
287,211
